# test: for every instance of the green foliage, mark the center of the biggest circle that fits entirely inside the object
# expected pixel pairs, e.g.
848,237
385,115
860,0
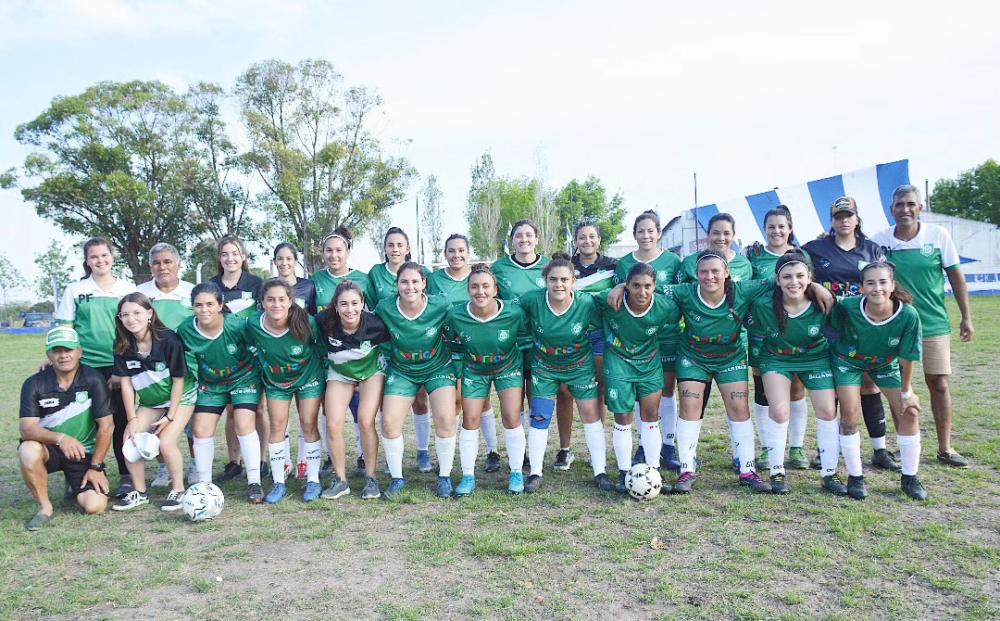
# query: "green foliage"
587,201
53,265
975,194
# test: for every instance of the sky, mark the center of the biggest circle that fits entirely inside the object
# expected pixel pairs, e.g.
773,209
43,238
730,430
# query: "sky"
639,94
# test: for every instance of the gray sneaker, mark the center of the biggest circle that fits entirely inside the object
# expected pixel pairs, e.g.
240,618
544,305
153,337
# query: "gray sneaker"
371,489
162,478
337,489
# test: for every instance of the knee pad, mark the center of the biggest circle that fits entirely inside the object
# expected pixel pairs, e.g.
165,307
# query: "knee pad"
541,412
353,406
759,396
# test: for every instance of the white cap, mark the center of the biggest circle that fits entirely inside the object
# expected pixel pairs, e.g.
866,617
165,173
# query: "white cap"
145,446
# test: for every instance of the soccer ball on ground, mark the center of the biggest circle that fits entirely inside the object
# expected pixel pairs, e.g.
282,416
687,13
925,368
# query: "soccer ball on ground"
202,501
643,482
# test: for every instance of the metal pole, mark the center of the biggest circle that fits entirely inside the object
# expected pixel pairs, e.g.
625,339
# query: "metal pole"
927,193
416,202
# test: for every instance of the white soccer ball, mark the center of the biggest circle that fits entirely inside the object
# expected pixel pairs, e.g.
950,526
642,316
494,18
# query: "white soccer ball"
202,501
643,482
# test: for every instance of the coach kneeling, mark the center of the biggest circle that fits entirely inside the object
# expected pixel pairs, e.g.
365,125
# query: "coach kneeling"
65,425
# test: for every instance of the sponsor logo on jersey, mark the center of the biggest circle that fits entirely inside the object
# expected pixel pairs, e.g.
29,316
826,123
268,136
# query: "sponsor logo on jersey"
893,341
813,330
577,328
133,364
246,295
82,396
231,348
695,317
48,403
503,335
333,342
161,366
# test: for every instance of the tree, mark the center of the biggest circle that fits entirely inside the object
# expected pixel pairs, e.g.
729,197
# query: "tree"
312,149
975,194
10,278
432,220
54,272
588,201
483,218
115,161
545,217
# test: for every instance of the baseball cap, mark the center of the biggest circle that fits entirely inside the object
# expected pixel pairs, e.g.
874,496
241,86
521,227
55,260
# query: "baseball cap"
62,336
844,203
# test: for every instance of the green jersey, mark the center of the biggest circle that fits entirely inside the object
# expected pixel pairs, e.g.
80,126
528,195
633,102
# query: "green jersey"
865,344
667,266
763,264
285,362
488,346
417,344
223,360
152,375
92,312
560,340
514,280
326,284
382,283
712,332
739,268
455,290
632,338
800,345
172,307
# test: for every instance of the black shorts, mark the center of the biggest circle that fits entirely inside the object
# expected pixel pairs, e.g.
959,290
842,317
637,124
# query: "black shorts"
74,470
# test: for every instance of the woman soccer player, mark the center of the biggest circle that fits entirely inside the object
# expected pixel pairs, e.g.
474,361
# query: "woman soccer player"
878,334
486,330
285,339
227,376
559,321
646,231
89,306
336,255
721,233
158,393
285,258
632,370
351,337
794,346
419,359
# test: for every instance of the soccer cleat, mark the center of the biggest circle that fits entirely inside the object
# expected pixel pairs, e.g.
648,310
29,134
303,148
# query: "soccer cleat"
443,488
564,459
883,460
856,487
492,461
37,522
834,485
762,458
466,486
162,478
300,471
255,494
604,482
620,485
312,491
359,468
515,484
371,489
336,489
952,458
133,499
394,490
753,481
173,501
685,482
124,487
424,461
797,459
778,484
911,486
231,471
277,494
668,457
533,484
639,457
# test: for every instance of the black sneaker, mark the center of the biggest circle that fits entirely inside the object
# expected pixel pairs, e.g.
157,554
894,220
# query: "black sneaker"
533,484
856,487
753,481
564,459
173,501
604,482
131,500
124,487
954,459
834,485
912,487
255,494
620,486
883,460
492,461
231,471
778,484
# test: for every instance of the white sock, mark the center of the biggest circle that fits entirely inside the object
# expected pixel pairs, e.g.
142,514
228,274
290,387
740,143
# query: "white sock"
445,448
468,448
850,446
761,414
878,443
204,455
250,450
393,448
276,452
743,441
621,440
302,448
514,439
798,420
909,453
687,443
538,439
828,440
597,445
314,455
489,430
777,436
649,437
422,430
668,419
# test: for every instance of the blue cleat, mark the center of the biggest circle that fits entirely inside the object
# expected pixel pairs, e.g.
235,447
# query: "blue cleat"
424,461
466,486
515,485
394,490
638,458
312,492
276,494
668,457
443,489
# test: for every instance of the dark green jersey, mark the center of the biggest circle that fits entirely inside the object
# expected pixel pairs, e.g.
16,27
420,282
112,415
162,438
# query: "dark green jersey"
417,343
560,340
220,361
867,344
800,345
667,266
712,333
739,269
632,338
382,283
488,346
326,283
455,290
286,362
514,280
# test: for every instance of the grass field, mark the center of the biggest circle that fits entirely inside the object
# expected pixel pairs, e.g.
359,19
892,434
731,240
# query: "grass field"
567,553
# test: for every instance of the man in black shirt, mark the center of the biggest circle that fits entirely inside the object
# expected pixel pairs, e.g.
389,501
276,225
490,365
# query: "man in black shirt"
66,425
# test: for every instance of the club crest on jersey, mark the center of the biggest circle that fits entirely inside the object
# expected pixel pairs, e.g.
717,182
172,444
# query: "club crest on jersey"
661,276
296,350
161,366
503,335
813,330
247,295
48,403
82,396
651,331
430,331
893,341
231,348
540,282
927,250
685,362
577,328
613,393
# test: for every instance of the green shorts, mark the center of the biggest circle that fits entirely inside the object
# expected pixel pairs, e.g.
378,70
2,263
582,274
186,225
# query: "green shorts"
668,360
887,376
457,367
333,376
242,395
313,389
620,394
478,386
727,372
401,384
581,381
815,379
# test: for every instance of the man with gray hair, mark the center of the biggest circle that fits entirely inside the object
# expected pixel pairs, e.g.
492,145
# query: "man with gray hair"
923,254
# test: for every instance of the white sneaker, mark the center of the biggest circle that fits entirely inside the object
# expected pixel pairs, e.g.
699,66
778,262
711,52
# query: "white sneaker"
162,477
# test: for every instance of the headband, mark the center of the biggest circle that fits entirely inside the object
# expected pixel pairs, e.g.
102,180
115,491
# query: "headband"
710,254
346,241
